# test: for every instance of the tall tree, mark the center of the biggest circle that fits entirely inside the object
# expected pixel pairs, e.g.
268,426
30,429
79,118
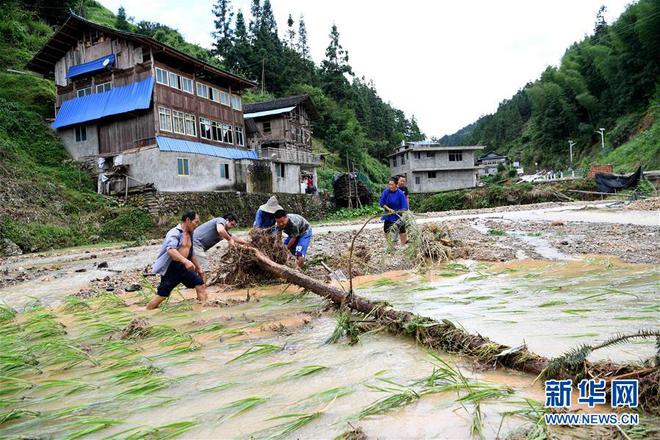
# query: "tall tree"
255,18
121,22
335,66
223,32
268,23
600,28
303,46
290,33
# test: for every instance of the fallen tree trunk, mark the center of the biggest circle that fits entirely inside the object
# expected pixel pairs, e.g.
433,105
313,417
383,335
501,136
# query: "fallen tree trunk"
444,335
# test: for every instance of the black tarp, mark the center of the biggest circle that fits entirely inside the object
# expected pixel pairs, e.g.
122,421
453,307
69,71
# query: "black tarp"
609,183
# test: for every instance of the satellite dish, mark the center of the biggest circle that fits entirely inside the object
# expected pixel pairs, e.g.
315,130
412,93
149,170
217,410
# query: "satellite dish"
106,62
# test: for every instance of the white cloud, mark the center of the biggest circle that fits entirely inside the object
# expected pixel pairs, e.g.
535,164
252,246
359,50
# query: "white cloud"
446,62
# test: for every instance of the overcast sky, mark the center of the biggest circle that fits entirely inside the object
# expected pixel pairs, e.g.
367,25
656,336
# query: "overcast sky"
446,62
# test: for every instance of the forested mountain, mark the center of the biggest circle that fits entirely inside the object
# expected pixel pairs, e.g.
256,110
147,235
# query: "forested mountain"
608,80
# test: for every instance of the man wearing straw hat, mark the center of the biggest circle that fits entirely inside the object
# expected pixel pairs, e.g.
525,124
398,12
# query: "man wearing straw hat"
265,218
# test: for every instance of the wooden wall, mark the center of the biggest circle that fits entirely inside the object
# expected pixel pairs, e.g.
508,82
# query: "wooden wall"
132,130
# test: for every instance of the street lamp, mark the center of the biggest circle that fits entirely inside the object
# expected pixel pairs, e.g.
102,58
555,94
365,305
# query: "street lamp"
601,132
570,150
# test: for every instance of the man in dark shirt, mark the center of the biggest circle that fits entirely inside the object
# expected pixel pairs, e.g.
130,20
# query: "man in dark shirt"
211,233
298,231
402,186
393,200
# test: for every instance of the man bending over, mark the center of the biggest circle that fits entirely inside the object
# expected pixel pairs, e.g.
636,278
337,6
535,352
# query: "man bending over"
298,231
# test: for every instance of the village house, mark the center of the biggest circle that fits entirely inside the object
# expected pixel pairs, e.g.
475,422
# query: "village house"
144,111
489,162
431,167
281,130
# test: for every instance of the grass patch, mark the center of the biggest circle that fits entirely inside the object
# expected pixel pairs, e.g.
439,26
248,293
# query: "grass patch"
496,232
256,351
553,303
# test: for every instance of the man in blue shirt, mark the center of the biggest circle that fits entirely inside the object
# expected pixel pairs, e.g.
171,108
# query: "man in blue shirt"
176,262
265,218
393,200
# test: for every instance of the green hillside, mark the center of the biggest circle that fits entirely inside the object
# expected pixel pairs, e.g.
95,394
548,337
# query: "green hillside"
47,200
609,79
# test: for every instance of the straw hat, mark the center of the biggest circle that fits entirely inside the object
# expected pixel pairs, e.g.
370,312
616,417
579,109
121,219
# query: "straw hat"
271,206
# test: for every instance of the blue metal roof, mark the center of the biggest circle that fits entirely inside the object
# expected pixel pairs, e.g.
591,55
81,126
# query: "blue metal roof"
91,66
135,96
182,146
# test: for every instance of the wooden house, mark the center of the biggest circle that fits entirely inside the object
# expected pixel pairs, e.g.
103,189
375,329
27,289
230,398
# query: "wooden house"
154,114
280,130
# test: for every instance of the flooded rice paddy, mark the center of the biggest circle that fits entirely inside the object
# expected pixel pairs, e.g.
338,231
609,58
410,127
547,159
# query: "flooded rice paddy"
264,369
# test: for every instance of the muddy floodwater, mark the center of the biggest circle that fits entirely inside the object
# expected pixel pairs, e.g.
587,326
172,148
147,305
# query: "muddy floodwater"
263,368
549,305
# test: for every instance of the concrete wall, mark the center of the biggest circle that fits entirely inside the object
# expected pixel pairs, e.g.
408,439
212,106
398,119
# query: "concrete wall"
443,181
151,165
80,150
290,183
438,159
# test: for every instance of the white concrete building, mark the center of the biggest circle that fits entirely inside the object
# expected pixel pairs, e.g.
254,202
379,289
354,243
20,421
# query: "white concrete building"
431,167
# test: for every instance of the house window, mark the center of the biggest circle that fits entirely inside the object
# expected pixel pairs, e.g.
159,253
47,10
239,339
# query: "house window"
177,122
81,133
224,170
224,98
417,155
239,136
205,128
174,80
165,119
266,127
216,131
279,167
202,90
190,125
394,163
456,156
227,134
236,102
430,154
84,92
417,180
431,174
186,84
161,76
183,166
105,87
403,159
214,94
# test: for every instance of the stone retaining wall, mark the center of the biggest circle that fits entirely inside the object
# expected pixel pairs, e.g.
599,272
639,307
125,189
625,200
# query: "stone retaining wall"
165,207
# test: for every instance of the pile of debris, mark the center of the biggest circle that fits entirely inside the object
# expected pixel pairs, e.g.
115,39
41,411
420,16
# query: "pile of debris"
238,267
350,192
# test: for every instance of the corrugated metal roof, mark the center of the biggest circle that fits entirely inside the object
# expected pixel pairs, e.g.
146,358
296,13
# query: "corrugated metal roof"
135,96
277,111
182,146
91,66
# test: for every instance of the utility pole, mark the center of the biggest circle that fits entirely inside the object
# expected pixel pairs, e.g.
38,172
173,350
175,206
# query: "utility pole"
601,132
570,149
263,74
